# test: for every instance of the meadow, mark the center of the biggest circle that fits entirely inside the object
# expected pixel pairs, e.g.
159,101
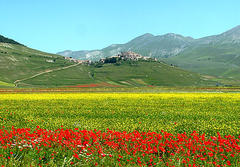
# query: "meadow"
87,129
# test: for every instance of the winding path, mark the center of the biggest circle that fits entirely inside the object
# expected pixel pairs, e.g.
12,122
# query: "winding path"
44,72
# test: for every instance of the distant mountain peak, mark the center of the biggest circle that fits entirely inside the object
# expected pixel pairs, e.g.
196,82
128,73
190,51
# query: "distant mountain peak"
148,35
171,35
145,36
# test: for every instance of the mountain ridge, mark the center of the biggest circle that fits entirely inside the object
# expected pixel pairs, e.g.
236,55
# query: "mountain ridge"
147,40
165,45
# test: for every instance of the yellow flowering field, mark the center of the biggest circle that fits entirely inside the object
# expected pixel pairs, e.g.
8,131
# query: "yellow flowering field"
172,112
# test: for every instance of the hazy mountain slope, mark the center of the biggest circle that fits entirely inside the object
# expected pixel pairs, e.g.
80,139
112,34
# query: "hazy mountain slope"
217,55
82,55
229,37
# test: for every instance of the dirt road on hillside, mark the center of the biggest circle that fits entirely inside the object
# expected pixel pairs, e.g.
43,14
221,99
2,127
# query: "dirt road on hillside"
44,72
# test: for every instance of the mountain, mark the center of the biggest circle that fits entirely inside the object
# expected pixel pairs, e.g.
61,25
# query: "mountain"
147,45
217,56
229,37
161,46
21,66
83,55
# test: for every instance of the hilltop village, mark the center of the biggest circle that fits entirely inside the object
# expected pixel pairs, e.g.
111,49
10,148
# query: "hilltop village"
122,56
132,56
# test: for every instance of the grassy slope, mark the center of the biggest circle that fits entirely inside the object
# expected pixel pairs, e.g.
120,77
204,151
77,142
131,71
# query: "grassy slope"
216,60
18,62
71,76
137,74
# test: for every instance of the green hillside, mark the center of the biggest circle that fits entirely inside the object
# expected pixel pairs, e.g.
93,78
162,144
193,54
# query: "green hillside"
126,74
218,60
19,62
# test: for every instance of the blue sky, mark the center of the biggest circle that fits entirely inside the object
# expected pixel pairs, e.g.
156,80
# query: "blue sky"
57,25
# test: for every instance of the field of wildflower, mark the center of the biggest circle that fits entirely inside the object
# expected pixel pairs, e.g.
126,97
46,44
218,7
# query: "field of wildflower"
120,129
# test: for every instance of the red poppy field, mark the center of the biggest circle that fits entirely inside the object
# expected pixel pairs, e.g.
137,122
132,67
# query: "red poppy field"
76,147
120,129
